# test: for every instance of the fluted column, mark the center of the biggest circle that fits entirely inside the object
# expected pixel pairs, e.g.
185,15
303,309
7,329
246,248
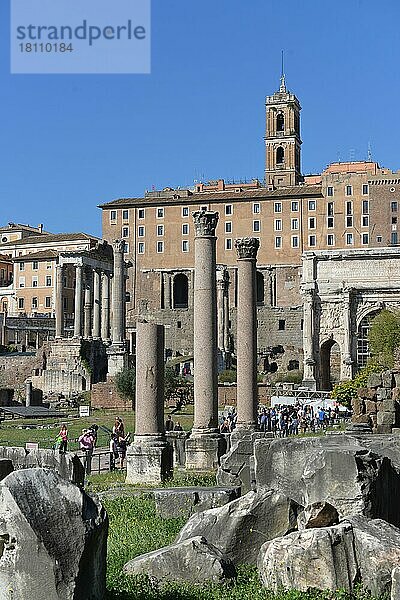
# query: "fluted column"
78,301
247,400
347,361
308,337
96,305
59,309
87,308
118,296
105,306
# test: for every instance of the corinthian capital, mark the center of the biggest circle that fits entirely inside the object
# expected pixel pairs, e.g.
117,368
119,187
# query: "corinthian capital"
205,222
119,246
247,247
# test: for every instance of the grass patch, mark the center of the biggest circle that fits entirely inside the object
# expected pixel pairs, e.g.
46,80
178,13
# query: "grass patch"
106,481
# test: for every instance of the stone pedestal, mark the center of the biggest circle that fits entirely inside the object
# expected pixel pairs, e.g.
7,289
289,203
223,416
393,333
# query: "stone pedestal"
204,450
148,461
117,359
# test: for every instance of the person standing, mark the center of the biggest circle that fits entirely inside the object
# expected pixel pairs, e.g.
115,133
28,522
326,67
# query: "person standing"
113,451
63,436
86,443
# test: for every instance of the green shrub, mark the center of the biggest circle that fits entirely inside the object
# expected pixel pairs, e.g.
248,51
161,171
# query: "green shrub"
294,376
227,376
345,391
125,382
384,336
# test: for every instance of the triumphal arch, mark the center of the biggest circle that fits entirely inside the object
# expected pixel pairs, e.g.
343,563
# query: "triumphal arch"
342,291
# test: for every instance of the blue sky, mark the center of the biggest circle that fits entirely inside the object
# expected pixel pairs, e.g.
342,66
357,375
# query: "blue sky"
68,143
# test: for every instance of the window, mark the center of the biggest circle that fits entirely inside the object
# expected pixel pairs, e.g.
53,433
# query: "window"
281,325
204,208
141,213
365,238
280,122
330,222
312,223
185,246
65,303
126,247
295,206
379,238
365,221
185,229
48,280
34,281
125,215
256,208
228,227
393,237
277,207
160,229
329,191
229,209
349,190
21,282
21,303
22,266
278,242
160,213
280,156
349,208
47,302
141,248
295,241
180,291
256,225
35,302
330,239
35,265
365,189
141,231
125,232
349,221
185,211
294,224
228,244
365,207
330,209
278,225
160,247
349,239
394,206
113,215
312,205
311,240
394,220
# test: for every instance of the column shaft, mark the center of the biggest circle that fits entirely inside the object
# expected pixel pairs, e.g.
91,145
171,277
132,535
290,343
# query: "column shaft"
308,335
96,305
87,309
105,307
118,297
167,290
78,301
59,301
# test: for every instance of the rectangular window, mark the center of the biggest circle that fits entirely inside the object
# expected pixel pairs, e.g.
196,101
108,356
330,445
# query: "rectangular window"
141,231
22,266
365,238
365,207
125,215
35,302
379,239
277,207
229,209
256,226
185,229
35,265
126,247
312,222
278,241
21,282
228,244
21,303
228,227
330,222
113,215
311,240
65,303
365,189
48,280
294,224
312,205
160,229
365,221
141,248
141,213
125,232
34,281
349,239
281,325
349,190
393,237
278,225
185,211
185,246
295,206
256,208
330,209
160,213
205,207
329,191
349,208
47,302
160,247
349,221
330,239
295,241
394,206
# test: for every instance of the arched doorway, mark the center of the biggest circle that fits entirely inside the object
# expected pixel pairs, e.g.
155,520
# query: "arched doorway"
330,364
181,291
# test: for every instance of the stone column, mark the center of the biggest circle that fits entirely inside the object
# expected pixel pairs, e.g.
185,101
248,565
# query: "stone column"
105,307
28,393
78,301
96,305
203,448
167,290
308,338
59,309
87,308
247,397
346,369
223,315
118,297
149,458
226,315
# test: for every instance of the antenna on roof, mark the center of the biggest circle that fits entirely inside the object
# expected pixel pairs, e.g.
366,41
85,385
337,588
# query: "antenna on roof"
369,153
283,85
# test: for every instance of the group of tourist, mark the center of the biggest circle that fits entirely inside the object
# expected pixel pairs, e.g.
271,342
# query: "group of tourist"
283,420
171,426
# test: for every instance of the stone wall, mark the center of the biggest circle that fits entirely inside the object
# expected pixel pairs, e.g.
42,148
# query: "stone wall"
105,395
378,404
16,368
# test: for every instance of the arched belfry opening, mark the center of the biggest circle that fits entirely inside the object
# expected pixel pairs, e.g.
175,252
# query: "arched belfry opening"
280,122
181,291
280,156
260,288
330,364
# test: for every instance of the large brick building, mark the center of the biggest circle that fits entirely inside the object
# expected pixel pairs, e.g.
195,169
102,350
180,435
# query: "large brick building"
348,205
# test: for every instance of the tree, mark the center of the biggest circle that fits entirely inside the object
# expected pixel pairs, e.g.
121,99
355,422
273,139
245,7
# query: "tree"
384,337
345,391
125,382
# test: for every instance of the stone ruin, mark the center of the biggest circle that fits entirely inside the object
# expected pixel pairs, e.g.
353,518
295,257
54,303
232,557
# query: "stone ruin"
377,406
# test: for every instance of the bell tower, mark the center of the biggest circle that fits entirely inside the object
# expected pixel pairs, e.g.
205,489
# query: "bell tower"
282,138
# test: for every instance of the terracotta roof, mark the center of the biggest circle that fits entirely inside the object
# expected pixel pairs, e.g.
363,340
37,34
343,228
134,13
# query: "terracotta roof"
50,238
43,254
17,226
297,191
